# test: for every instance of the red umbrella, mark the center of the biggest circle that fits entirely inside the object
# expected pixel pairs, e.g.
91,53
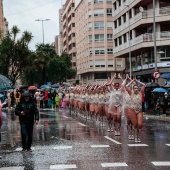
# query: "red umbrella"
32,88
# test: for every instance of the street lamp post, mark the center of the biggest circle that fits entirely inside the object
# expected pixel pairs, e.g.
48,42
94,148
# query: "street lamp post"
42,20
130,56
154,32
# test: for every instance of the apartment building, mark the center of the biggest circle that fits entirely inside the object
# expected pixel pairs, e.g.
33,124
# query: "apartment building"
94,40
60,30
2,25
133,19
68,33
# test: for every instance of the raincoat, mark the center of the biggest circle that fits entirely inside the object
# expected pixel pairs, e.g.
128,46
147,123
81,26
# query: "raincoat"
57,100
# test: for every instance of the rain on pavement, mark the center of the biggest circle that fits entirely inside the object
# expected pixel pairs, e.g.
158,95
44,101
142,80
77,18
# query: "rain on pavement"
63,140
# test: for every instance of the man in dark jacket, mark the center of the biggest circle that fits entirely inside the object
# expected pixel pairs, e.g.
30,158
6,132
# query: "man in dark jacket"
28,115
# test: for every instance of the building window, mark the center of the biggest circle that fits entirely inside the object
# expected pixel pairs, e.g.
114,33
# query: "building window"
73,24
114,6
115,24
74,64
90,26
98,25
110,51
98,12
99,51
99,37
120,40
89,13
89,2
119,21
90,38
109,25
116,43
119,2
109,1
109,12
125,38
124,18
90,51
98,1
109,37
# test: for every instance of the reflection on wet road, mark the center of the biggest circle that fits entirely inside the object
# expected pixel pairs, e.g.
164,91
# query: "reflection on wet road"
65,141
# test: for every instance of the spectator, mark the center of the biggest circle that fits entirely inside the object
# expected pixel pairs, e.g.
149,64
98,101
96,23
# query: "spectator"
46,98
1,119
158,107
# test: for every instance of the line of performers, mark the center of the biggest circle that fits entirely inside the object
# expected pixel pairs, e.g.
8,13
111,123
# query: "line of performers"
111,100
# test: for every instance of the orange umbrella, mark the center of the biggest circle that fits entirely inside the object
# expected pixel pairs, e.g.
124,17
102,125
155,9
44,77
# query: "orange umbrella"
32,88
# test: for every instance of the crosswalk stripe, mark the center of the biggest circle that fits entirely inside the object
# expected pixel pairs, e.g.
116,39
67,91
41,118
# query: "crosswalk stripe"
115,164
168,144
63,147
137,144
100,146
13,168
63,166
112,140
161,163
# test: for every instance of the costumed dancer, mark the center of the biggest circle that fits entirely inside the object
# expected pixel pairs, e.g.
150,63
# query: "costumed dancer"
136,106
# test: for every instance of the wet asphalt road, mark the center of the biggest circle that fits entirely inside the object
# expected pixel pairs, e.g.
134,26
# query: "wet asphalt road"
64,141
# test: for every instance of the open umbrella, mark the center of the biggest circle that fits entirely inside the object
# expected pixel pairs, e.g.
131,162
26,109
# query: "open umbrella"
152,84
1,95
45,86
165,76
160,90
32,88
55,85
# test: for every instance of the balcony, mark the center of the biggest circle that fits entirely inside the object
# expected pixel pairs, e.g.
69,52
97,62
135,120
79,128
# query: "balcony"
160,36
159,12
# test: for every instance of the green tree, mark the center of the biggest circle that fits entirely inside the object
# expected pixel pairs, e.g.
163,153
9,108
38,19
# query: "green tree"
15,55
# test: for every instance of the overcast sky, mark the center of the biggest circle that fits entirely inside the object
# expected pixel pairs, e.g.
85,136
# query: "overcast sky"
23,13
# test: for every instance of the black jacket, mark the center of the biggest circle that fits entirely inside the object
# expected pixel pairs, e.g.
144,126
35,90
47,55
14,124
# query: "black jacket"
31,112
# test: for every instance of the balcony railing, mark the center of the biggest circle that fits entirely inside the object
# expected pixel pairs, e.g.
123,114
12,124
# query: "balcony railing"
143,38
143,15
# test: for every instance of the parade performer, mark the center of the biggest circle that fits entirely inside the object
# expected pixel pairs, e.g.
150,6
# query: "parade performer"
37,97
136,106
115,106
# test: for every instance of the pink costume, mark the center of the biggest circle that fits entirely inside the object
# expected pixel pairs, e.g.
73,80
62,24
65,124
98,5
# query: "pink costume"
64,102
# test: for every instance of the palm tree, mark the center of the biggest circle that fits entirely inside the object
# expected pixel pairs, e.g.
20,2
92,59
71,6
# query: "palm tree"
15,30
44,53
26,37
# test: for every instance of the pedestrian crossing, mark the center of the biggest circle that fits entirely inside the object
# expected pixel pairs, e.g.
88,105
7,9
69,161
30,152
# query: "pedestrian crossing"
103,165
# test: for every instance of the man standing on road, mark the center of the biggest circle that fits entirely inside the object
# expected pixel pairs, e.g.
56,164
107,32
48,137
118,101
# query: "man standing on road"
28,115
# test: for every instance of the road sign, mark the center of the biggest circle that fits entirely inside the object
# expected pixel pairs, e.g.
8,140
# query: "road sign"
156,74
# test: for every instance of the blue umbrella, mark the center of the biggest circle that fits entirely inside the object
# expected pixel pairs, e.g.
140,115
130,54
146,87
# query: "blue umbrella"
160,90
45,86
165,76
1,95
55,85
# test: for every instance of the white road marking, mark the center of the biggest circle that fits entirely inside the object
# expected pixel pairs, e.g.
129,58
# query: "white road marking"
81,124
116,164
168,144
63,166
13,168
20,149
100,146
112,140
137,144
65,117
161,163
63,147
